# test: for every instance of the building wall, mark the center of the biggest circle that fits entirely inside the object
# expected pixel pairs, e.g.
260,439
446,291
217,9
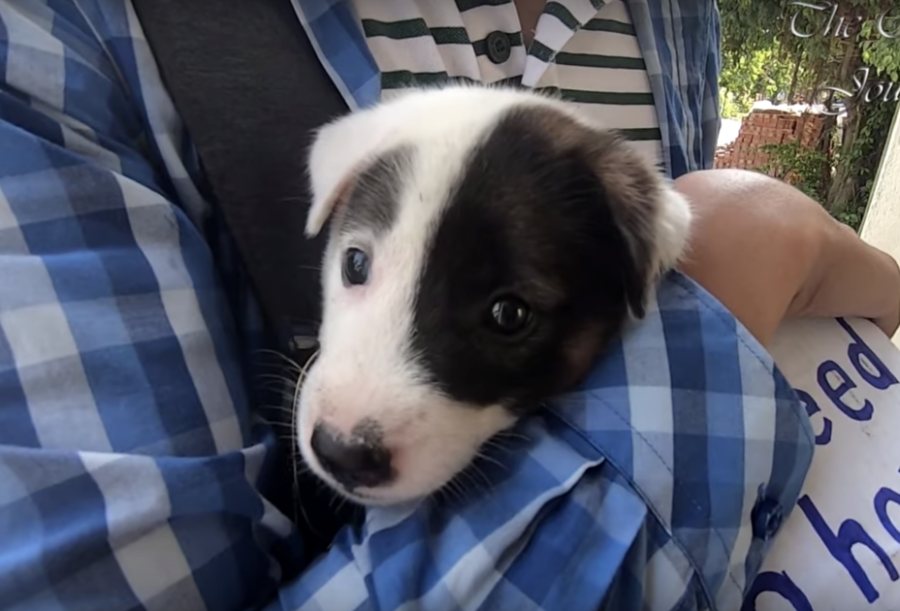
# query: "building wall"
881,224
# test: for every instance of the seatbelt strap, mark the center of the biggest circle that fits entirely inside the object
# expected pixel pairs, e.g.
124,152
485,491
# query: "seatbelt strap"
250,89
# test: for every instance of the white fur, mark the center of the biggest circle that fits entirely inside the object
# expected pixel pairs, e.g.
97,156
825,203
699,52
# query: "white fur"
672,228
365,369
453,116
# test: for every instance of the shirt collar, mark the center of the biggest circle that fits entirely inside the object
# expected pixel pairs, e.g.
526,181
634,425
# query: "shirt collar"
334,33
557,24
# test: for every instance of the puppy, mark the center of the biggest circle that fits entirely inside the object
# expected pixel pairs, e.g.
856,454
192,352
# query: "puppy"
485,245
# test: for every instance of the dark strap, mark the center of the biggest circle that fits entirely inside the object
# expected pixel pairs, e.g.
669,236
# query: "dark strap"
250,89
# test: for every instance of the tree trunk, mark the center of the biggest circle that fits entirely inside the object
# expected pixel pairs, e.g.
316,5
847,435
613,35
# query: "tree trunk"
792,91
843,189
817,70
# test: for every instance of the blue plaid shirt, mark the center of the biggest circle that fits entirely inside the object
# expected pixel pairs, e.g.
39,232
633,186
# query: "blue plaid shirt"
132,464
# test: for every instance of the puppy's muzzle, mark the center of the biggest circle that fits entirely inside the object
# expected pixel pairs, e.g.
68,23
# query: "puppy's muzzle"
352,462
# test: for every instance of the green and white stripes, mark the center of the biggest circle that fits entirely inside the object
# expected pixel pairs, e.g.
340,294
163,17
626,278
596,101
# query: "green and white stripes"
586,51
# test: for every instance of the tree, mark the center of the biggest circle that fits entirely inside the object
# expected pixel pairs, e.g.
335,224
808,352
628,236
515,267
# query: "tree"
870,68
781,49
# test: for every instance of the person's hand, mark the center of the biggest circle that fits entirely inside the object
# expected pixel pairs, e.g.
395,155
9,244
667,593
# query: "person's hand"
889,322
853,278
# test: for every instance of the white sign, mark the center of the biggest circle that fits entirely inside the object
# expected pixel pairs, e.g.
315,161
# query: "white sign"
840,548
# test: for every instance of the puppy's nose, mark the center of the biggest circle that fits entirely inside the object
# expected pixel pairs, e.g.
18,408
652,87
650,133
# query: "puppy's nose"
352,464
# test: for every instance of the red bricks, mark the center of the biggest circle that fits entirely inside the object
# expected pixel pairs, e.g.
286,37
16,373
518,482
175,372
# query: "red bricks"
770,126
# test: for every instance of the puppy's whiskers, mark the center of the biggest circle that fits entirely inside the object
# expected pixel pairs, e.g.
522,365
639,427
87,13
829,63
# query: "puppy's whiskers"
496,444
486,457
295,446
482,477
285,384
450,493
512,435
280,408
274,377
283,358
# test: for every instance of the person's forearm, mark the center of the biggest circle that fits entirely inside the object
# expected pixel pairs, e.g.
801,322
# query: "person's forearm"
769,252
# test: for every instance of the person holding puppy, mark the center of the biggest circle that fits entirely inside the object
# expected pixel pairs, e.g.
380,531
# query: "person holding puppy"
134,471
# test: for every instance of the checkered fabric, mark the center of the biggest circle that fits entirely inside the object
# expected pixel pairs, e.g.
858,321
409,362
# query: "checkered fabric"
646,488
679,40
131,464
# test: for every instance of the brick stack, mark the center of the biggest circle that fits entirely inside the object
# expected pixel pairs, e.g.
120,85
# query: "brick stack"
773,125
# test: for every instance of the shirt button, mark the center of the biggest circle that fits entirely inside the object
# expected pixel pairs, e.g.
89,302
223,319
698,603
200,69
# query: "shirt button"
498,47
767,518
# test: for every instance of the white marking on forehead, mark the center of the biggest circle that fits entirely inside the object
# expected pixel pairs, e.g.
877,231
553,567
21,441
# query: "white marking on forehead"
421,116
376,320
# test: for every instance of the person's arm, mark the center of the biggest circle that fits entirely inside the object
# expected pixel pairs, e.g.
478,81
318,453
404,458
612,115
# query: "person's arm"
768,252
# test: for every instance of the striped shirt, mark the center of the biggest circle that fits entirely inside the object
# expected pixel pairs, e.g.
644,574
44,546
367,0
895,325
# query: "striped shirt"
679,42
589,56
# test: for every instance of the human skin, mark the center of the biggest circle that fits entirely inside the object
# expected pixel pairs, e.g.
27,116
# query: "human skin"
769,253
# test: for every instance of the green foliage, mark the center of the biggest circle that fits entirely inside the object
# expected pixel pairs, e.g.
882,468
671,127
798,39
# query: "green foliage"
806,169
882,53
852,215
733,107
757,41
863,156
745,77
749,26
762,57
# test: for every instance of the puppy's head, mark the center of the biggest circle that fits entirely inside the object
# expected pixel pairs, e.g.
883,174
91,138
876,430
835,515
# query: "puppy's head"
485,244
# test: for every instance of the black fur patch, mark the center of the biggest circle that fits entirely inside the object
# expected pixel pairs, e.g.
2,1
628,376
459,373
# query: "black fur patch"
531,217
372,201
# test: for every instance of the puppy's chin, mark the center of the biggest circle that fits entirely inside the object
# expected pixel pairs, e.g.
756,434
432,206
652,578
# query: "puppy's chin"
407,488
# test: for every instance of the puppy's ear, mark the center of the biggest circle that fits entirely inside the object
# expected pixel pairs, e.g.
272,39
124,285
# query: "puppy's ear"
653,218
340,151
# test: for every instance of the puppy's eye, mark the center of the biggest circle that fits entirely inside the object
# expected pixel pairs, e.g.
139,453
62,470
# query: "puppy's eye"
356,267
509,315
